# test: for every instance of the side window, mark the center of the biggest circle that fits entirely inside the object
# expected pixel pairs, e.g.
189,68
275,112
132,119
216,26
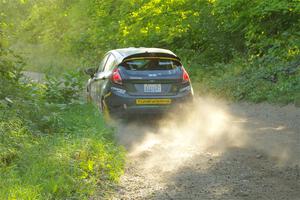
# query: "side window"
110,63
102,64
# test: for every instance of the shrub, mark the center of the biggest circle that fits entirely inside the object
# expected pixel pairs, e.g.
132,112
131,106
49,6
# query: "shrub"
52,144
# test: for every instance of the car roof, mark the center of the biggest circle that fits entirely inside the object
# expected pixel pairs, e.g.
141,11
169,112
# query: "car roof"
126,52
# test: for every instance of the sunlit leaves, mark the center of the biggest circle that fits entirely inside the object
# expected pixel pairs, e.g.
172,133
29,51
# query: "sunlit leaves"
215,30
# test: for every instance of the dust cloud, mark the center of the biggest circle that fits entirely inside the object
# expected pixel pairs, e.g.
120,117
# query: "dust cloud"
167,143
213,150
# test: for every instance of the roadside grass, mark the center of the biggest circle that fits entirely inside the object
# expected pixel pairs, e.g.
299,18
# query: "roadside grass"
252,81
72,163
53,145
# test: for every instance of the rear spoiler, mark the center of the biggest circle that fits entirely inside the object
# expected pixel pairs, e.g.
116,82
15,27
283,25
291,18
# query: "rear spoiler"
151,55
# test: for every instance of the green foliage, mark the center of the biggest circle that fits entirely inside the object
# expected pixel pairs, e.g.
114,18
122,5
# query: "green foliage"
52,145
65,89
60,34
254,81
71,163
10,72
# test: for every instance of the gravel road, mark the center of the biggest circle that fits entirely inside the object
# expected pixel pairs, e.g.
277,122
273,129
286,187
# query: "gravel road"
214,150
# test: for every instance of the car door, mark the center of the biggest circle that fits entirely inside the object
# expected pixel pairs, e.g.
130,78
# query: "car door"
100,79
94,80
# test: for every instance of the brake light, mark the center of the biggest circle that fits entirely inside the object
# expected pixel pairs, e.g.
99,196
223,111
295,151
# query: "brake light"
185,76
116,77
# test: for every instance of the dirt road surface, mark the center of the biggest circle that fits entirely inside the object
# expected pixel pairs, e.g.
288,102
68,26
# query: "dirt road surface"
214,150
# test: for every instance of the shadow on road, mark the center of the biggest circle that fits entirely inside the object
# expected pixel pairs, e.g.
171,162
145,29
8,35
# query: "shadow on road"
238,174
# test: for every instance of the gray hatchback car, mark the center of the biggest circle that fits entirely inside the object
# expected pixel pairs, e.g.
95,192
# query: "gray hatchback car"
139,80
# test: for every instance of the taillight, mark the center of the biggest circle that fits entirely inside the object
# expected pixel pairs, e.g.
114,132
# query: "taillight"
116,77
185,76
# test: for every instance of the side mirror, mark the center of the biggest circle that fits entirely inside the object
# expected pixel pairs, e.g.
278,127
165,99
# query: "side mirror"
99,76
102,75
90,71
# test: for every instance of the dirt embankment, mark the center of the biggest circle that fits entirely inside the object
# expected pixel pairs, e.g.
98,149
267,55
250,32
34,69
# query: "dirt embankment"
214,150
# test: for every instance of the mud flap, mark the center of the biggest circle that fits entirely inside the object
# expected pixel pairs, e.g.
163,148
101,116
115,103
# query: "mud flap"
105,110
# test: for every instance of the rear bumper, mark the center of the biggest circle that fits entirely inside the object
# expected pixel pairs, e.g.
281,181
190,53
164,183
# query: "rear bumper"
119,103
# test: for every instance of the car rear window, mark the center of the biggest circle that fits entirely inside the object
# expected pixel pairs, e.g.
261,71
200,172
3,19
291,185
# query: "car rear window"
150,64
